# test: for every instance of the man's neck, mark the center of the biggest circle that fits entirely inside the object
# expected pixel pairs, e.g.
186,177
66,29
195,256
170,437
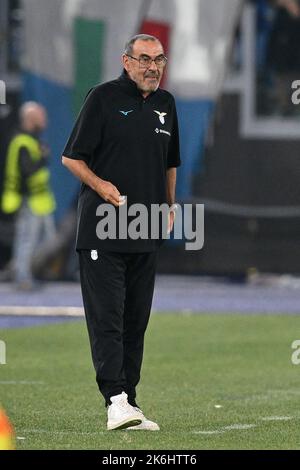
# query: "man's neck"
144,94
29,130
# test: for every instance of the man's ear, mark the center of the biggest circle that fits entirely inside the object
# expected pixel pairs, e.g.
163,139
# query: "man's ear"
125,61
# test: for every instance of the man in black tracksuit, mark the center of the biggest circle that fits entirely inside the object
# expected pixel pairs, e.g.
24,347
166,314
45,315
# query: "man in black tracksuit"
124,143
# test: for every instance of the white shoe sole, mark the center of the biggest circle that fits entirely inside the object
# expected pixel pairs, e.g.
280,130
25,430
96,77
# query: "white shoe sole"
137,428
141,428
124,424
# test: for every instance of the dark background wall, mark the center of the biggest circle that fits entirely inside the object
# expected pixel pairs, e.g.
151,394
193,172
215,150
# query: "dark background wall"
249,188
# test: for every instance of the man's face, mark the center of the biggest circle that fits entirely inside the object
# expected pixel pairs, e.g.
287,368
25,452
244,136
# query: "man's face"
146,78
34,118
41,120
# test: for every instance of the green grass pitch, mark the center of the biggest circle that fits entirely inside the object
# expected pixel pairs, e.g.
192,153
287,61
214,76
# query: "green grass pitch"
210,381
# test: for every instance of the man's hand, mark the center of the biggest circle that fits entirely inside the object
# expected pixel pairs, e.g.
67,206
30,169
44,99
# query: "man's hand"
105,189
108,192
291,6
171,218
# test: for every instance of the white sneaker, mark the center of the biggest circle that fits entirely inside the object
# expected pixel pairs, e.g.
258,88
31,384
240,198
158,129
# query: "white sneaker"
120,414
146,424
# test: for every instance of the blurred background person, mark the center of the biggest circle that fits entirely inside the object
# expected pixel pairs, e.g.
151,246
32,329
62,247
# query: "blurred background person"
283,54
26,191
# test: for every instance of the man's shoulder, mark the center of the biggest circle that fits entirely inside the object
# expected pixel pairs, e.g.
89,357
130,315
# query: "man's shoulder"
101,89
166,95
20,136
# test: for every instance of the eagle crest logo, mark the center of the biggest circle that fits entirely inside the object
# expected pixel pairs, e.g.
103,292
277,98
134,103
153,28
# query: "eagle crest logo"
161,116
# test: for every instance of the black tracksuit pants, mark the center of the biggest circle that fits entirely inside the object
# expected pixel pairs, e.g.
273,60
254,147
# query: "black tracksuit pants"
117,290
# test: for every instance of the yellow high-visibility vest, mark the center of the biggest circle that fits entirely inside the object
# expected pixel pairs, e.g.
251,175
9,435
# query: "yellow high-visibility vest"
40,197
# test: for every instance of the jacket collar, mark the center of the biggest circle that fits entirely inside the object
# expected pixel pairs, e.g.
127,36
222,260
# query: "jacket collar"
130,86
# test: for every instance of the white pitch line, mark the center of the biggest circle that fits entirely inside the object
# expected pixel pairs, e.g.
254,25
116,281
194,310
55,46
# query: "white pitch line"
277,418
48,431
238,426
231,427
268,395
208,432
21,382
41,311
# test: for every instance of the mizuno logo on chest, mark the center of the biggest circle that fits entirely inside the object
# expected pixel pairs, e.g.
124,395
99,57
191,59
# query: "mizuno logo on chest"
125,113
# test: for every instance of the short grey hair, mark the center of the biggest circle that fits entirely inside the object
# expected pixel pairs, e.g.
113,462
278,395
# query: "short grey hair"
143,37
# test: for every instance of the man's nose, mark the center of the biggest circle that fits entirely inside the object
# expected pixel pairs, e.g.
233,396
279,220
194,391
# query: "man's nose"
153,66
